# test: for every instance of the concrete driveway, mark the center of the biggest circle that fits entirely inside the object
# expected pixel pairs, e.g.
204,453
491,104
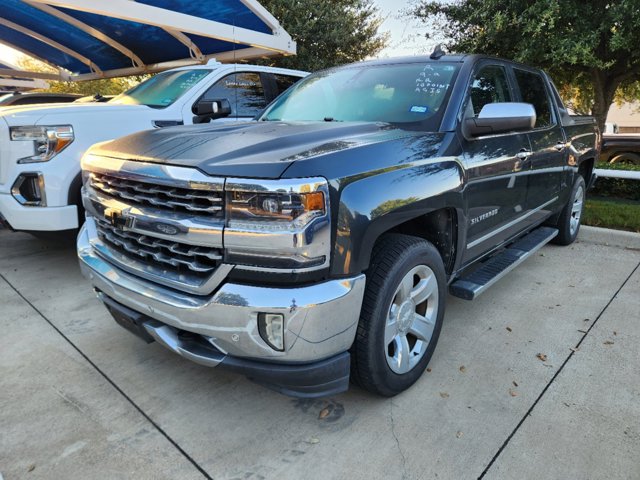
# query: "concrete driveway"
538,378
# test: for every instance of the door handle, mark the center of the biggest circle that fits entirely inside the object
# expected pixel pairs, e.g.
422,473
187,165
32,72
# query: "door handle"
524,154
560,146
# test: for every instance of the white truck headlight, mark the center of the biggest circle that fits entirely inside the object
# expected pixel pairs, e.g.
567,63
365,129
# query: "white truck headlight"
48,141
278,224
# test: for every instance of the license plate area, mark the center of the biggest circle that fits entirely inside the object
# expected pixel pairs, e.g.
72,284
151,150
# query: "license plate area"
127,318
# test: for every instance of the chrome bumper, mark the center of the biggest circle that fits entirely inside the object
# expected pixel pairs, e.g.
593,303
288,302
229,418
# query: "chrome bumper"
320,319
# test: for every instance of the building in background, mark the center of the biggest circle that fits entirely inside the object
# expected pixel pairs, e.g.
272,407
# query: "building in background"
626,117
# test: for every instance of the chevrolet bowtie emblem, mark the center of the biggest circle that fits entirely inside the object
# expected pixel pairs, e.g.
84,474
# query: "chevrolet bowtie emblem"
118,218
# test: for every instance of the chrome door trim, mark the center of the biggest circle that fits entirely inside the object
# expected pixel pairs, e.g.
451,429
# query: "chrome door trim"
509,225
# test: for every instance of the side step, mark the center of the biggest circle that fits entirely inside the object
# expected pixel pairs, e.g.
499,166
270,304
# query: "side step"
496,267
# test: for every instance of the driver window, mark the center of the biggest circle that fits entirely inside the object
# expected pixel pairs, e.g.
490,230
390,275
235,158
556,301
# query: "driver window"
489,86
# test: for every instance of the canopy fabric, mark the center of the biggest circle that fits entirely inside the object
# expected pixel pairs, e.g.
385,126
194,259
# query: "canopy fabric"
89,39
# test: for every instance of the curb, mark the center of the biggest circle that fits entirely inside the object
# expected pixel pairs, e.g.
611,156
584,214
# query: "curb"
608,237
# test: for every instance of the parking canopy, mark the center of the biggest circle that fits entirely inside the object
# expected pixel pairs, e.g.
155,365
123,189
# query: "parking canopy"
89,39
13,79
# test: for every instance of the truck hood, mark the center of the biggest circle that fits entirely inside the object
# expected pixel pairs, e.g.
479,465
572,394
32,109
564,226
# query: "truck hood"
257,149
37,114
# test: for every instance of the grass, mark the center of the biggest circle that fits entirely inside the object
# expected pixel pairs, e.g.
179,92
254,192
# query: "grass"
612,213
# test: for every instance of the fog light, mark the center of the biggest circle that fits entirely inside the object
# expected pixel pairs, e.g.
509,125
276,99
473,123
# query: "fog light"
28,190
271,328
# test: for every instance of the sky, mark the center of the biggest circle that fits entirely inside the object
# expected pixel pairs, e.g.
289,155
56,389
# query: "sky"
405,34
8,54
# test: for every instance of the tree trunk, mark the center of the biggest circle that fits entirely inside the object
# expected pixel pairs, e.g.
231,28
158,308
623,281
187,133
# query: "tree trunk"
604,89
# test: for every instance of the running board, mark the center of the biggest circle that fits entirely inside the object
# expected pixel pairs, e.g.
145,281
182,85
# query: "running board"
471,286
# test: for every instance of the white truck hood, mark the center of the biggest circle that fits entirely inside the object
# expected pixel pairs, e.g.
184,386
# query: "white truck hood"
65,113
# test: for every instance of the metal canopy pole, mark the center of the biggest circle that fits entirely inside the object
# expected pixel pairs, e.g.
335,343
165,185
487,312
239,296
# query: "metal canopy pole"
64,75
53,43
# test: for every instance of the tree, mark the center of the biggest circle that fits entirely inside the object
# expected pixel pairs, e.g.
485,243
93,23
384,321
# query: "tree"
328,32
589,47
107,86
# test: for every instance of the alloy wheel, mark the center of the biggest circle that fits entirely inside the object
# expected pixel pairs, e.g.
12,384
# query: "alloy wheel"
411,319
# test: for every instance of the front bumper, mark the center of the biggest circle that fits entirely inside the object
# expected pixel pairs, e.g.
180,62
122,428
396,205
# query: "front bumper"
320,319
21,217
310,380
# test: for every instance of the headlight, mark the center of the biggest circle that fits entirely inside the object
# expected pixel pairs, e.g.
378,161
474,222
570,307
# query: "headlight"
274,210
47,141
278,224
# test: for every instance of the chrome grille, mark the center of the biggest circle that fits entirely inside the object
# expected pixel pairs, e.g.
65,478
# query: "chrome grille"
161,253
175,199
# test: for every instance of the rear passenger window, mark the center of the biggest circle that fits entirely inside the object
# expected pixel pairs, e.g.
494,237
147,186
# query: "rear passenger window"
489,86
533,91
244,92
283,82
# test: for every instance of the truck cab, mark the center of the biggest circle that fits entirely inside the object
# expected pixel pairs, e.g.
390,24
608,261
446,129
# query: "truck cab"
41,145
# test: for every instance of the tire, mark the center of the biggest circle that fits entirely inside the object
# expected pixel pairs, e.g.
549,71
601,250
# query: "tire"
396,338
569,221
629,158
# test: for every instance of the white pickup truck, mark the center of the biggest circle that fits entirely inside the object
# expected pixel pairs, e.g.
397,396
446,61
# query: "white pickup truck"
41,145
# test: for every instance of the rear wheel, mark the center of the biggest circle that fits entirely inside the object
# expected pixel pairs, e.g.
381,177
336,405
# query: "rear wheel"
569,221
401,316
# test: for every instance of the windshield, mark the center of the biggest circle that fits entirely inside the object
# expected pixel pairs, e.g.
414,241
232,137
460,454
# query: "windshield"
400,93
161,90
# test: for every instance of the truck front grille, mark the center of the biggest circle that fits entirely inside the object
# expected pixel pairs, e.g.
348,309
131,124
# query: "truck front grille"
175,199
163,254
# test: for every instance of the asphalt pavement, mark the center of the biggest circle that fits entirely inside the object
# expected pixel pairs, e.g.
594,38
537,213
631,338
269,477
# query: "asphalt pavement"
538,378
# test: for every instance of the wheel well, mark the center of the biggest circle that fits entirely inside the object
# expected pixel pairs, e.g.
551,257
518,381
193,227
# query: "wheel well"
74,197
439,228
74,190
586,169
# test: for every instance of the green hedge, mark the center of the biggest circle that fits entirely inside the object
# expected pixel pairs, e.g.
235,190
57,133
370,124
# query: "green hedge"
618,166
617,187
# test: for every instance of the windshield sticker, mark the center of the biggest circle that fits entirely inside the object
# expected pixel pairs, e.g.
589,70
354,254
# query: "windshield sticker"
429,81
190,80
419,109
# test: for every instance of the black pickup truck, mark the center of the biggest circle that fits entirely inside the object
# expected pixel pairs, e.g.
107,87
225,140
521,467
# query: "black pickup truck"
319,243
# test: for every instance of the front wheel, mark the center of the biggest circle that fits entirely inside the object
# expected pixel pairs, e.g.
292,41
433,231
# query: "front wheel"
401,316
569,222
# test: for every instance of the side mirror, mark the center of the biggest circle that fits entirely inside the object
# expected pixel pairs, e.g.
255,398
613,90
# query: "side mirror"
206,110
501,118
